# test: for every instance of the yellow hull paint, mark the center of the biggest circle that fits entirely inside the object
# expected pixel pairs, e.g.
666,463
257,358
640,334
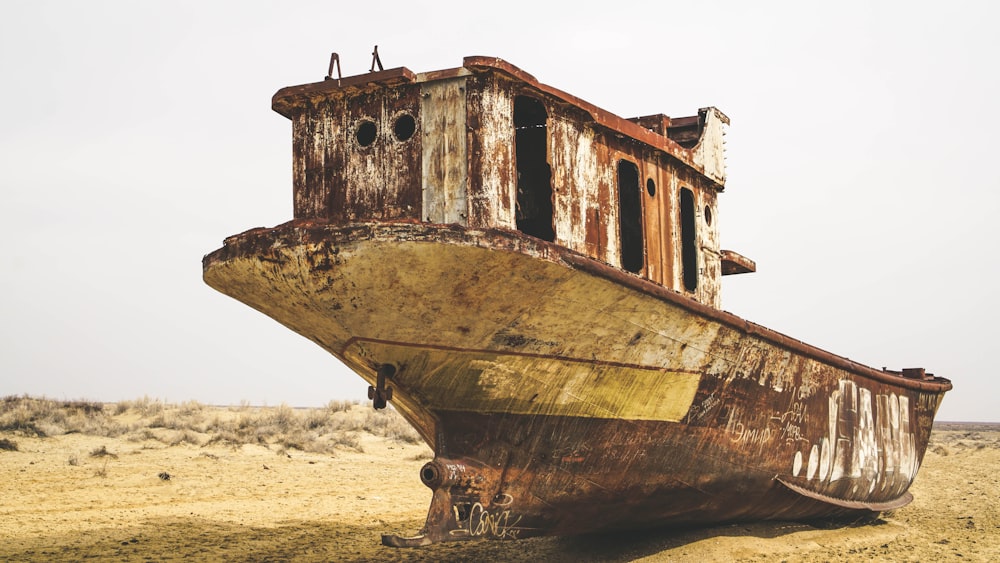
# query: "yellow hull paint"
487,381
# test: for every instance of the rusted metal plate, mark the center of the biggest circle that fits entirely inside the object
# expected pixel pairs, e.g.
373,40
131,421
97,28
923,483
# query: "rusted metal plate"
349,160
445,166
288,101
490,130
735,263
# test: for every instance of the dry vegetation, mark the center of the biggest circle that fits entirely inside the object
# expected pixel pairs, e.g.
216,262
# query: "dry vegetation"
338,425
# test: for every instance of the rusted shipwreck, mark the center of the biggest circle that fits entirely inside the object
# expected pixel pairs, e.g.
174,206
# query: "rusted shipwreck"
533,282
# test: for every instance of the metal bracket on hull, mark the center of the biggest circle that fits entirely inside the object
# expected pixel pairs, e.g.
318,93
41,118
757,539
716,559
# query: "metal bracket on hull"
380,394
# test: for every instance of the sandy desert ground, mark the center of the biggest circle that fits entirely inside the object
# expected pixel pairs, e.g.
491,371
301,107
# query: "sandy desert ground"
144,481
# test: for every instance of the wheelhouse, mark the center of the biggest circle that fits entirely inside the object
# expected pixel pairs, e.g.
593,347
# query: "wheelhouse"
487,146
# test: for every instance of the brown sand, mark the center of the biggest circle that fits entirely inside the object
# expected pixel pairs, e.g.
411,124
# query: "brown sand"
262,503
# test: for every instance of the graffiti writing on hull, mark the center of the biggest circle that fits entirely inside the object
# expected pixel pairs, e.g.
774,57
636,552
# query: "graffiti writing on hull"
791,422
785,425
869,440
476,520
742,434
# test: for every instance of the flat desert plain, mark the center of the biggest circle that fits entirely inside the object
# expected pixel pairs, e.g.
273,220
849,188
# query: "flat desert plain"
146,481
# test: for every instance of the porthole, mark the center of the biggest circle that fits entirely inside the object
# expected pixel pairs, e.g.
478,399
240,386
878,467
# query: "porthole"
650,187
366,133
404,127
708,216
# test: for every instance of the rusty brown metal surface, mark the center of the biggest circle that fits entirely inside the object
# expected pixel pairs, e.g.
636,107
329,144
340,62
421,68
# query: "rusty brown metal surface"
287,100
599,116
735,263
460,165
358,134
688,416
560,393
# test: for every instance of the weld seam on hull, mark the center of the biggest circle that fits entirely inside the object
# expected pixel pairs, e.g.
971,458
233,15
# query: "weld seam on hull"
356,339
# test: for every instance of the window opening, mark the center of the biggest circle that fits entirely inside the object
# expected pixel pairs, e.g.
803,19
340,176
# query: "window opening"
630,216
689,248
366,133
404,127
533,210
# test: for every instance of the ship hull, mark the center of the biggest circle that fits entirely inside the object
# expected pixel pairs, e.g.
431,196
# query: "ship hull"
563,396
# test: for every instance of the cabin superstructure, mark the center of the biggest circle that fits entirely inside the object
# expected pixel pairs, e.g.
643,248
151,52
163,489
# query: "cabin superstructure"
488,146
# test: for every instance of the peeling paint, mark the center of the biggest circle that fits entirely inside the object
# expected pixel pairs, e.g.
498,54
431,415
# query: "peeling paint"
561,393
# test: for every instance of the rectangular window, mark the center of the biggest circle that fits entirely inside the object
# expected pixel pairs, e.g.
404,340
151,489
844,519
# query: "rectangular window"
533,210
689,243
630,216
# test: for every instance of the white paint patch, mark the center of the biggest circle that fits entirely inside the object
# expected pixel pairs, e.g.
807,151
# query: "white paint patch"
869,440
824,458
813,463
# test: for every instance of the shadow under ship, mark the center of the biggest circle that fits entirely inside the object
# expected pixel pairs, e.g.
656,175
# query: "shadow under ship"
533,283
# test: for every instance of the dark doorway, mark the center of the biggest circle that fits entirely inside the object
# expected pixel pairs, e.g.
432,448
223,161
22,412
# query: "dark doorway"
630,216
689,247
534,176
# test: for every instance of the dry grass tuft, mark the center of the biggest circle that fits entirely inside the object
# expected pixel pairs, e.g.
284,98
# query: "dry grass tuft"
340,406
7,445
337,426
103,471
28,416
144,406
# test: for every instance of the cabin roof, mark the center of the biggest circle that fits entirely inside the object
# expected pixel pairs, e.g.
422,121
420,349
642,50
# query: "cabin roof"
286,99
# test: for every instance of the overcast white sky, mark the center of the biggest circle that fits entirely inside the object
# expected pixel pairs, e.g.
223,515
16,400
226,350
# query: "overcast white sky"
135,136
